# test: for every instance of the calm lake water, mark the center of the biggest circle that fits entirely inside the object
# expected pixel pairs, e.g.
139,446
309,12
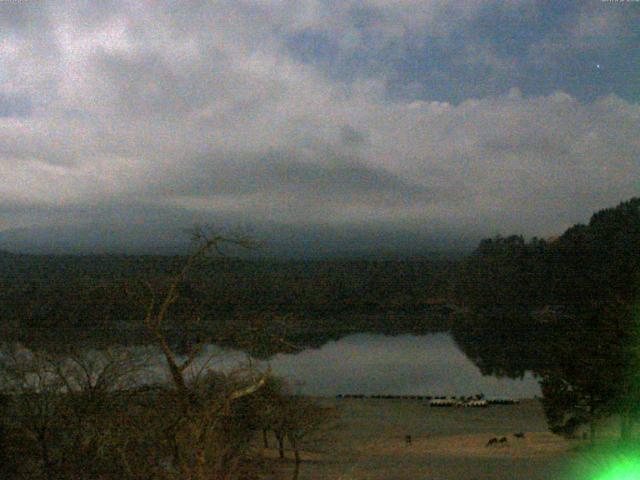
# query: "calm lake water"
378,364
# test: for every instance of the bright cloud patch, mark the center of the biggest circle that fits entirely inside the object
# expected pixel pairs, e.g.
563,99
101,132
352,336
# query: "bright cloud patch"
211,110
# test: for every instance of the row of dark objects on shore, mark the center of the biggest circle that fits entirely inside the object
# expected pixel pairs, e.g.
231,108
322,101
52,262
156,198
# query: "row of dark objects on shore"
439,401
409,397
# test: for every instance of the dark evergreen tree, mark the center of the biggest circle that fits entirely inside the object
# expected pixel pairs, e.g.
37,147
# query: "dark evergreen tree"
593,359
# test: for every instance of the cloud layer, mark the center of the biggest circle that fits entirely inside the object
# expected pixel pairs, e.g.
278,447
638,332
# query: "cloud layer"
411,115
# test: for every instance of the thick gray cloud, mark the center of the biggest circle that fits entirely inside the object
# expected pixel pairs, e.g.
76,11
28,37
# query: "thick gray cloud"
122,113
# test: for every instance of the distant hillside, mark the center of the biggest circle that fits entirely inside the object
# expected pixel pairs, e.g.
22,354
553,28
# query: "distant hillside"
76,294
288,242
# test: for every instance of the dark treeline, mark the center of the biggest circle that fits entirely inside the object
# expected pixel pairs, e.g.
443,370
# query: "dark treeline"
68,297
584,266
567,309
506,287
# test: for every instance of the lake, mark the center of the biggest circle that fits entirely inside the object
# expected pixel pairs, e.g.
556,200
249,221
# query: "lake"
366,363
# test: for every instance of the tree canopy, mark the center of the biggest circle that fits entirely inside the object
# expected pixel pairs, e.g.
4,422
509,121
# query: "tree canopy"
567,308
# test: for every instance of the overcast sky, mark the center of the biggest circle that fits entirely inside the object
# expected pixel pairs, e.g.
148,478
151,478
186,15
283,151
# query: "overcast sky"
434,119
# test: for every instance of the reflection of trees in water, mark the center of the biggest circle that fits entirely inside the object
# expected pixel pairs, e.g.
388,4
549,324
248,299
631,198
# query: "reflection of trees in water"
260,334
504,345
269,338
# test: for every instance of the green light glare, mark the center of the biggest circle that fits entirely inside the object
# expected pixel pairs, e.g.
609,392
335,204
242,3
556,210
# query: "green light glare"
605,462
610,464
622,469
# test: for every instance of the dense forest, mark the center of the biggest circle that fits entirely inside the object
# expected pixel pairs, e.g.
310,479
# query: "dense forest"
95,297
566,309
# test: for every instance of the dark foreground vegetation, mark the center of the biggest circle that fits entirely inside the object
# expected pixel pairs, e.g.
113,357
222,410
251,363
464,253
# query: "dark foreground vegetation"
567,309
87,416
91,414
564,308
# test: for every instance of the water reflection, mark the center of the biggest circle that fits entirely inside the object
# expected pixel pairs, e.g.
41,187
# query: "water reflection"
365,363
377,364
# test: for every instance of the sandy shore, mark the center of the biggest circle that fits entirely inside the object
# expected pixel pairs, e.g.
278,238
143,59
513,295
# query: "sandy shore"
368,442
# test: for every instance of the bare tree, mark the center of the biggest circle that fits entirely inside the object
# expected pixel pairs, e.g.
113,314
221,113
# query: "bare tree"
98,386
36,391
63,407
198,453
87,413
290,417
8,462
